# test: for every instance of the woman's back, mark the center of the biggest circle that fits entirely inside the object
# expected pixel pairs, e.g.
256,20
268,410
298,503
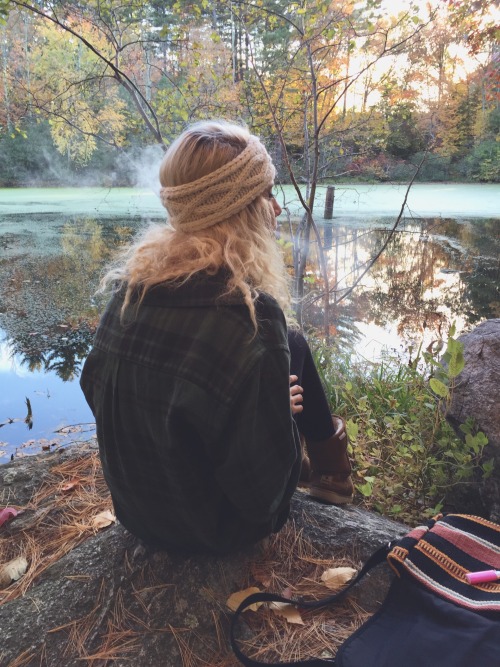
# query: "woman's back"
193,415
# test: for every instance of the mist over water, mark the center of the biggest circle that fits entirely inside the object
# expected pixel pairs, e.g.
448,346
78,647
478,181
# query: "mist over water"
137,167
145,168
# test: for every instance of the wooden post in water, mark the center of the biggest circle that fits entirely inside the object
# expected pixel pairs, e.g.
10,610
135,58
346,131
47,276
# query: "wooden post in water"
329,200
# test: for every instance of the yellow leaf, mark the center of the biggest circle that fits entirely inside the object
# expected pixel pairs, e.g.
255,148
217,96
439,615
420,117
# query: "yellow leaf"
12,571
234,600
103,519
335,577
288,611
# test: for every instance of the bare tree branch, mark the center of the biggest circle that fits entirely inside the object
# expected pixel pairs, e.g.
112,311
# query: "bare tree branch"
145,109
392,231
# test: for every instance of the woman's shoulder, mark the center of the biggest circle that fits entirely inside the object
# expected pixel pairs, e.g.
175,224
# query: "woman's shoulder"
265,304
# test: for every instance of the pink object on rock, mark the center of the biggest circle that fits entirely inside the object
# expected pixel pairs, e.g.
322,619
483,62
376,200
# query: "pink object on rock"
6,514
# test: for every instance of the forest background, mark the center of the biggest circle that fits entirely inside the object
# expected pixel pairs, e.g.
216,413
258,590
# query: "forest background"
347,90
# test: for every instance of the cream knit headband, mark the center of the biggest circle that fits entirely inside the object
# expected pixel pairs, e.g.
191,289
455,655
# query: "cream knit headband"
221,194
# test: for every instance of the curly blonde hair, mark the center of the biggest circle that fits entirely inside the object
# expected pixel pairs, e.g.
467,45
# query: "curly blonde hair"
243,244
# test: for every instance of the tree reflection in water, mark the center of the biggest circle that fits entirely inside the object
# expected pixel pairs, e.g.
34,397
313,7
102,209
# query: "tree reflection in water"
432,273
60,352
48,310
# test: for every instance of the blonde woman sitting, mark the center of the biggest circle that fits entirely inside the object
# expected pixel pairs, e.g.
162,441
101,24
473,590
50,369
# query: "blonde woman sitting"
189,376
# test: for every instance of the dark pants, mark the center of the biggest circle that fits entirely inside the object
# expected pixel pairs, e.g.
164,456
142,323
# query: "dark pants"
315,421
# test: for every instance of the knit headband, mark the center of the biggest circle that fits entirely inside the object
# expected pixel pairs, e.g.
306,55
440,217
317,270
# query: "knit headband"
221,194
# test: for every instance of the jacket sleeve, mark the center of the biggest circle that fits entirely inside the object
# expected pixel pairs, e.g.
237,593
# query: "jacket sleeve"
261,463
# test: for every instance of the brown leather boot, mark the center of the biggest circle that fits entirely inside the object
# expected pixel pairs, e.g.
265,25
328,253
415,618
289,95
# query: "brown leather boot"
331,469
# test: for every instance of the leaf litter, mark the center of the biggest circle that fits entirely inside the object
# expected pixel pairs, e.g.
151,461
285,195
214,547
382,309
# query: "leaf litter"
293,568
74,503
237,598
336,577
66,510
12,571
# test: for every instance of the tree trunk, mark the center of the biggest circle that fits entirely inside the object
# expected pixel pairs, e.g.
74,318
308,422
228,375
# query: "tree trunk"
6,91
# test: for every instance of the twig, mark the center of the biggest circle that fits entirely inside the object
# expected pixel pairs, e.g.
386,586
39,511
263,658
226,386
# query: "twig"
61,430
392,231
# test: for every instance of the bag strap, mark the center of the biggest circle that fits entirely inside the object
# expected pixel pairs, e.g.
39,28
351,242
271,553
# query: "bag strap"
375,559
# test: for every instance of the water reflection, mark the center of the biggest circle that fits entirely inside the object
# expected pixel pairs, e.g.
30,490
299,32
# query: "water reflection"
48,277
61,349
49,270
433,272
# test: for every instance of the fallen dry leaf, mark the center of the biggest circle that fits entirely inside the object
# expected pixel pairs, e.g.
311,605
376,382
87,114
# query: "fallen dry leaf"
70,485
261,576
6,514
335,577
288,611
12,571
103,519
234,600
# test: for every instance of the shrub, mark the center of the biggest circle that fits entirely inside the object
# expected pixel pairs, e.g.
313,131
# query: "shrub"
406,455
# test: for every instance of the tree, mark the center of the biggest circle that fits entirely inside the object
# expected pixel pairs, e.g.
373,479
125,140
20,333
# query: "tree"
118,28
80,112
304,94
403,134
15,58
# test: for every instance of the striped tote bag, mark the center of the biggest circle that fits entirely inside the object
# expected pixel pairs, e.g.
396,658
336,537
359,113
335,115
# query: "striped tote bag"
442,609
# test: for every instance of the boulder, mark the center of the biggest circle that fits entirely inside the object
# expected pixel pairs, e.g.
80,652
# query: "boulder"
98,596
477,395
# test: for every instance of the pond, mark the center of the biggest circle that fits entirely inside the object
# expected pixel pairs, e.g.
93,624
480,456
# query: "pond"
442,265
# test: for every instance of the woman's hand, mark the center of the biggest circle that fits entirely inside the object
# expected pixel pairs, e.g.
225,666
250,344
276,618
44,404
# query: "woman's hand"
295,396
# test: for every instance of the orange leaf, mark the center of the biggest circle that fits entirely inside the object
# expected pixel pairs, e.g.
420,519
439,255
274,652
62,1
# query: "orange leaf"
261,576
70,484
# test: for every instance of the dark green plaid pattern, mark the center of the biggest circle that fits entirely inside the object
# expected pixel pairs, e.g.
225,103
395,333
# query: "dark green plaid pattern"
196,437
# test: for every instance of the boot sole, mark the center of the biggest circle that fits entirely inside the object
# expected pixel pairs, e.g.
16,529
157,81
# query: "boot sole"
330,496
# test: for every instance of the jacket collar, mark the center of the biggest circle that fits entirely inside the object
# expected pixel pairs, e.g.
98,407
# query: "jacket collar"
200,290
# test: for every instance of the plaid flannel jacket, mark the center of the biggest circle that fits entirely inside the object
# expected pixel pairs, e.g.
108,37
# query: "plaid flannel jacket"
196,437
